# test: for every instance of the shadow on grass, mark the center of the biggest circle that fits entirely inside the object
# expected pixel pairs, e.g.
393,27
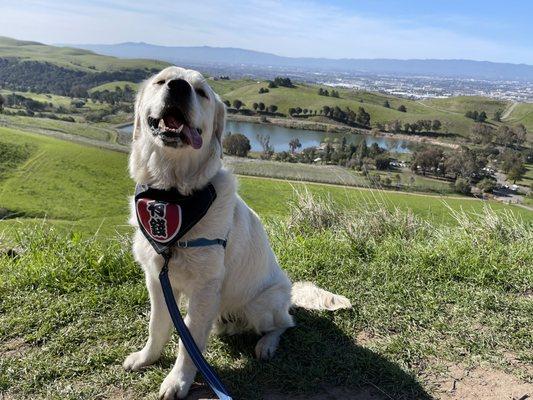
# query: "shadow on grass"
314,360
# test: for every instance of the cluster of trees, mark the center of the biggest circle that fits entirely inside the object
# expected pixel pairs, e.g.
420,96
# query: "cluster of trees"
44,77
126,95
348,116
504,135
14,100
361,156
299,110
281,81
272,109
464,166
422,125
325,92
478,116
257,107
512,164
263,90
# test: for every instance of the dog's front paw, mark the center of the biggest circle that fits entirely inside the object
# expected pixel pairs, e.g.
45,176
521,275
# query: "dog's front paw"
136,361
172,388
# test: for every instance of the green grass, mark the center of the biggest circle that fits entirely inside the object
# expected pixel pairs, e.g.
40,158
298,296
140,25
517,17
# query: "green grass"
424,296
71,58
86,188
111,86
97,131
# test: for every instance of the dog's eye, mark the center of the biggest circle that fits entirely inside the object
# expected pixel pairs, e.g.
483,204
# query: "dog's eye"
201,92
160,82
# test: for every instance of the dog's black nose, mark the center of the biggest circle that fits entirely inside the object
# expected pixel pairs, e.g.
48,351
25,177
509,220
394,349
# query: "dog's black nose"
180,89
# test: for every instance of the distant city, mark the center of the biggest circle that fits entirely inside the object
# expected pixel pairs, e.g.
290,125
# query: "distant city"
413,87
421,87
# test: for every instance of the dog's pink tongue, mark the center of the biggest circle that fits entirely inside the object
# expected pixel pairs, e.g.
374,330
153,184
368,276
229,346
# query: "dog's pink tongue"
193,136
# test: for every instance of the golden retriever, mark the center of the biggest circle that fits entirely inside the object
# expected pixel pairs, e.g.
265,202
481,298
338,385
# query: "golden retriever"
178,127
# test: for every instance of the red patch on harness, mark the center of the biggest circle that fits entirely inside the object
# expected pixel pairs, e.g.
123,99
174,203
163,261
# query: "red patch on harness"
161,220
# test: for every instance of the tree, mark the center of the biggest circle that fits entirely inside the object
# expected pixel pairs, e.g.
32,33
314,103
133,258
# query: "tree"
481,133
272,85
363,117
436,125
498,116
268,149
294,144
335,94
382,162
292,111
482,117
227,103
462,186
517,172
255,106
2,102
261,106
427,159
281,81
486,185
386,104
236,145
272,108
237,104
402,108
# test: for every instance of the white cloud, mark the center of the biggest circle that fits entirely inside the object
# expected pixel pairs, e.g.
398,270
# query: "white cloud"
291,28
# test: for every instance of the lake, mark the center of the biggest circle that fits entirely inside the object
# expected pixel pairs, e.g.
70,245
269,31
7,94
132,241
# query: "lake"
280,137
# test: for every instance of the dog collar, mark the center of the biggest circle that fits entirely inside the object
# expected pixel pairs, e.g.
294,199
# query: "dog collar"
164,216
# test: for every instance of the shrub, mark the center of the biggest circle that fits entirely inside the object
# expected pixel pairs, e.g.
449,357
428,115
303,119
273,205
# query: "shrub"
486,185
462,186
236,145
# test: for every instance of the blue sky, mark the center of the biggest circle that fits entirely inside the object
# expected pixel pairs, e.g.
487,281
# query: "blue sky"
481,30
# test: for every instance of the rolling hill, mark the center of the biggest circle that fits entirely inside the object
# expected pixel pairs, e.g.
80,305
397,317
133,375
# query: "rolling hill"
71,58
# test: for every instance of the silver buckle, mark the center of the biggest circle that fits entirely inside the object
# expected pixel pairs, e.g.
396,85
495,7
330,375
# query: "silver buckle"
183,245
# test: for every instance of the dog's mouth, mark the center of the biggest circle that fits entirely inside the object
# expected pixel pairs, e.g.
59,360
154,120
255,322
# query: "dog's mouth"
174,129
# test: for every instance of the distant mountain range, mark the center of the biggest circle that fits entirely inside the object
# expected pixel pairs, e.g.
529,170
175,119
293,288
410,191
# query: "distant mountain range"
228,56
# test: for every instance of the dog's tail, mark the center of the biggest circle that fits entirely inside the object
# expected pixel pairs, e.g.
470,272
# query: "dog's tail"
308,295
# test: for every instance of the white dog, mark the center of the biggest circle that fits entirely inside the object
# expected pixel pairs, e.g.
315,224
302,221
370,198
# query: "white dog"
179,122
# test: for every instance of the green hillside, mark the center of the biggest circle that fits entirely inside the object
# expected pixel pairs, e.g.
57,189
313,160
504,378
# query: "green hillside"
71,58
75,185
449,111
523,114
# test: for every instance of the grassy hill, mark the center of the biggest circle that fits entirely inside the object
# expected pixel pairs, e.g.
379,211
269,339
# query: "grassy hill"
74,185
523,114
71,58
449,111
432,286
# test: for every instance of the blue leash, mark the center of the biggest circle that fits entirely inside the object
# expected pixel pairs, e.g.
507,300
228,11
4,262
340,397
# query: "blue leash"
194,352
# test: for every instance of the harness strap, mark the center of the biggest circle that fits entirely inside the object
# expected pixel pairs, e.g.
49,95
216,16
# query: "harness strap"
194,352
201,242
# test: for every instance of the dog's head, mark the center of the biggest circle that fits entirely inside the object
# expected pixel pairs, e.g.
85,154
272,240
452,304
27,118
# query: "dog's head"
177,109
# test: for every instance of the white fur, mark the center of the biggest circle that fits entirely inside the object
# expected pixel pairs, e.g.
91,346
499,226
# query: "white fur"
239,288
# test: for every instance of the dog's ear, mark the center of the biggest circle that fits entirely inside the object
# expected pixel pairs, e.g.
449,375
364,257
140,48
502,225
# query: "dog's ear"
136,109
220,119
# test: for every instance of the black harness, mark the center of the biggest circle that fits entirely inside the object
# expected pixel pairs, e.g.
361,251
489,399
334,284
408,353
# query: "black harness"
164,216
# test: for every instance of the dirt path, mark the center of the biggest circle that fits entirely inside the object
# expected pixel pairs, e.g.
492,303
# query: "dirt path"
508,111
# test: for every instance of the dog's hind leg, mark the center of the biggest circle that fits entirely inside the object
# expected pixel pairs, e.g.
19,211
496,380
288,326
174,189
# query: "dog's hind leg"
269,314
159,330
267,345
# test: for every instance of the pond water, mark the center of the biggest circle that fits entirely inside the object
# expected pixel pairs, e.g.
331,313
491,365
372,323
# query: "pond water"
280,137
